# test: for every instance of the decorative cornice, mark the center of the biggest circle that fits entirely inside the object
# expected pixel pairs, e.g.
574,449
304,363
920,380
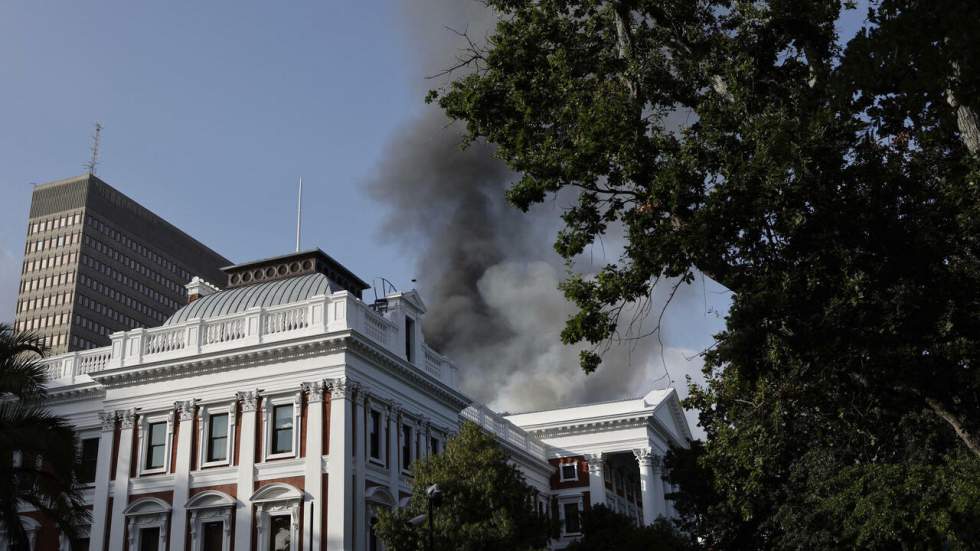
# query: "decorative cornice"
248,399
126,418
596,462
647,458
217,362
314,392
185,409
108,420
339,388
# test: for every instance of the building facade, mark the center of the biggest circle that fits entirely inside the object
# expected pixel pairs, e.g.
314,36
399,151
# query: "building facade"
283,412
96,262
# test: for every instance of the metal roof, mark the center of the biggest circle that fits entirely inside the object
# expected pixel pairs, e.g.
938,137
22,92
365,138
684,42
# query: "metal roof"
239,299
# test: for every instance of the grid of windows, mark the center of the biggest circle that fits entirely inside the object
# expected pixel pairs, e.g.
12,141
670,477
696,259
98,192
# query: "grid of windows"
51,243
120,277
138,247
132,264
46,282
106,291
55,223
54,261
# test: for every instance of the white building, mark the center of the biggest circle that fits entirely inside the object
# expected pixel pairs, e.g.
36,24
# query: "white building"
281,412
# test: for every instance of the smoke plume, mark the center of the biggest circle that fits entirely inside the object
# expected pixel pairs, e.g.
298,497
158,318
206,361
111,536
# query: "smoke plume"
488,272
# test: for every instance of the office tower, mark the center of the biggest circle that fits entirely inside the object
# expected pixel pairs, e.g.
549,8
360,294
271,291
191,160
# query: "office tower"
97,262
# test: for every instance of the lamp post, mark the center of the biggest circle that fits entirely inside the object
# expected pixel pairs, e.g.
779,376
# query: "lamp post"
434,496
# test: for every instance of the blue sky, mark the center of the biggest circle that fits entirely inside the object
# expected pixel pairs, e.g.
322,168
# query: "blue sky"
211,112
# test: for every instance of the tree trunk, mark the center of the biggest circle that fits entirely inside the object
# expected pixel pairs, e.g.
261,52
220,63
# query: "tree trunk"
970,440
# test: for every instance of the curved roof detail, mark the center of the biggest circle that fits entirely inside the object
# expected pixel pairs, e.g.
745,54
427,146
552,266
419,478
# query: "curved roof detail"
239,299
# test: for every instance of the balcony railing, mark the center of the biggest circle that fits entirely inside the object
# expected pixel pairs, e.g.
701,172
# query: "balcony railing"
504,430
318,315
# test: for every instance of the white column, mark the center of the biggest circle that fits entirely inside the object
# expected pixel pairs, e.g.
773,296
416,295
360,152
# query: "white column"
597,482
340,483
103,469
360,441
182,473
394,451
312,465
651,485
425,433
246,468
120,486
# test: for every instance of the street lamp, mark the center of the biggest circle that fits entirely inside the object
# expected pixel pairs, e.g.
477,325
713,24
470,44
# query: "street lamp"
433,496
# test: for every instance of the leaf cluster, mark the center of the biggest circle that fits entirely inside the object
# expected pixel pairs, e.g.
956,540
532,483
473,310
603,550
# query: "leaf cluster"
485,502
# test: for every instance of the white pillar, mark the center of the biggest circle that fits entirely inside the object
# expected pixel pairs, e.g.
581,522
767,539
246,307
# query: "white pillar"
103,469
120,486
182,473
425,431
340,483
360,441
246,468
312,465
597,482
394,451
651,485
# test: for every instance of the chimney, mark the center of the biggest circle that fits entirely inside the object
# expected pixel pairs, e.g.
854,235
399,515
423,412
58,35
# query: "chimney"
198,288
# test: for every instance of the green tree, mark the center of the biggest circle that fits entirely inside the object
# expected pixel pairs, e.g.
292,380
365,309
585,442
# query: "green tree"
38,461
606,530
830,184
485,502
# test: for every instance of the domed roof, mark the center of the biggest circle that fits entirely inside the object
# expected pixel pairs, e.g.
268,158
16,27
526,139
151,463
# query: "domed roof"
239,299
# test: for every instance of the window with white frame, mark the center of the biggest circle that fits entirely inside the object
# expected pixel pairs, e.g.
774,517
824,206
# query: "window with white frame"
211,521
375,435
570,516
155,432
435,445
217,430
568,471
408,446
282,424
88,458
277,517
146,524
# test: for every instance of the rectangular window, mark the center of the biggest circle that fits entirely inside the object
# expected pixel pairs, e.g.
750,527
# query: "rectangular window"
156,445
150,539
406,446
569,471
213,536
282,429
89,460
434,445
571,518
375,441
218,437
409,339
279,533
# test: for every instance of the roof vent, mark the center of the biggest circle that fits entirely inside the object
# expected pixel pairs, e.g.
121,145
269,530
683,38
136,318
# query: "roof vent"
294,265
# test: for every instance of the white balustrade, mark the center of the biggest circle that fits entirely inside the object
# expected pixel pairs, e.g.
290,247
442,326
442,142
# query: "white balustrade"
503,430
337,312
164,339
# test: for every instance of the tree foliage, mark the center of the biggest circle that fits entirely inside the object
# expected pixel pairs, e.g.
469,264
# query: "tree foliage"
39,450
606,530
485,502
830,184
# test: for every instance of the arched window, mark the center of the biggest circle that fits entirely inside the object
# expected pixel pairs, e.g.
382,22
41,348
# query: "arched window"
378,498
211,521
277,517
146,520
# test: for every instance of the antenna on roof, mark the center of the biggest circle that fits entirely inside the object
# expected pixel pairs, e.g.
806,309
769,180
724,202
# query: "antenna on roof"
96,138
299,212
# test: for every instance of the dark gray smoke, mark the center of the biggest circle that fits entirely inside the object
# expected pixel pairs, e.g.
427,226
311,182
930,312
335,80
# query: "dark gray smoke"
487,271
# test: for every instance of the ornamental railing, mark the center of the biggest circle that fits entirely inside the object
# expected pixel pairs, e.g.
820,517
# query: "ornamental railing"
504,430
315,316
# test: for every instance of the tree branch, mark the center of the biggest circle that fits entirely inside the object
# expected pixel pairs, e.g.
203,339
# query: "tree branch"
969,439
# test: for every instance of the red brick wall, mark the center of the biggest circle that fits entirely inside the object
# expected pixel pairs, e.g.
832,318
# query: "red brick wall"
583,473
